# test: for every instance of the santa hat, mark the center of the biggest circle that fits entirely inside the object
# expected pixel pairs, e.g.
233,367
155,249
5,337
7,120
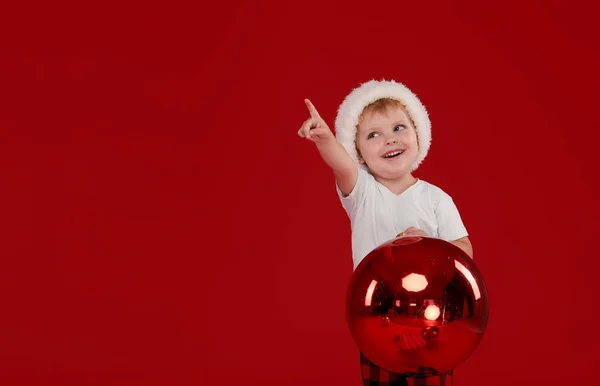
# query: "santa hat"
352,107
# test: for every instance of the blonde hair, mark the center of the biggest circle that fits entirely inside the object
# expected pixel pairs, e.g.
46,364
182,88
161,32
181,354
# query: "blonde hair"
382,106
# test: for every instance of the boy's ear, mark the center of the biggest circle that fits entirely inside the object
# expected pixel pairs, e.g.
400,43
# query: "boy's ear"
360,158
416,133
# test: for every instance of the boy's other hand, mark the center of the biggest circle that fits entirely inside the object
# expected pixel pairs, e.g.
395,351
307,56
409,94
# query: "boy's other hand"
314,128
412,231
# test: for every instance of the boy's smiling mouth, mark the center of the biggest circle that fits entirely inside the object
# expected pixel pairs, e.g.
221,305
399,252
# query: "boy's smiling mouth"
393,153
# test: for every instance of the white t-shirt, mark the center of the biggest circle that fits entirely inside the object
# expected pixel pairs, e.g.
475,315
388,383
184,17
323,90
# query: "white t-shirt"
377,215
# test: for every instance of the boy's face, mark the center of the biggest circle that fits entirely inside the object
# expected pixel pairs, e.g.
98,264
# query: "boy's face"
387,143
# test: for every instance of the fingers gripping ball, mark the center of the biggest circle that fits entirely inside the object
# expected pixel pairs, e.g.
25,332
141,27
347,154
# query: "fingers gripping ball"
417,305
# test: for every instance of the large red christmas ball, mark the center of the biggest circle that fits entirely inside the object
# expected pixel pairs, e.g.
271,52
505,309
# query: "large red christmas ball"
417,305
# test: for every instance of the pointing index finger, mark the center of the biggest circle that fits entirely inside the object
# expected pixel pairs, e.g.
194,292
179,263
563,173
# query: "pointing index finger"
313,111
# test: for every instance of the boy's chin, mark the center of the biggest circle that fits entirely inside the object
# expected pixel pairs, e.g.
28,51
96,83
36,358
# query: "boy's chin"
391,174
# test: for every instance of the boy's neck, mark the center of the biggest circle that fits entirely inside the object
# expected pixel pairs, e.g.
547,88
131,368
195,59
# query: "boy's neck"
398,185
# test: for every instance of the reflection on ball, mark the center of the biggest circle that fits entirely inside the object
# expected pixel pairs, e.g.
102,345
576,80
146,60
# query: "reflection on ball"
417,305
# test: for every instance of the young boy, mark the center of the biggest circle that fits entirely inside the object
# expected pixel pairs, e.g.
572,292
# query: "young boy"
383,133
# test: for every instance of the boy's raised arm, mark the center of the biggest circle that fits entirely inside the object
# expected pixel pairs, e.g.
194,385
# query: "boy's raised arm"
333,153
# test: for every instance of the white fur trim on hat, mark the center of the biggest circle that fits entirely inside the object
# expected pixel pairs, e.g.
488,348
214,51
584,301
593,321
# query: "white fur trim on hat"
352,107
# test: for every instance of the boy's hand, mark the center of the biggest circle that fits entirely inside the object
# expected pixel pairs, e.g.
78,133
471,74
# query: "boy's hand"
314,128
412,231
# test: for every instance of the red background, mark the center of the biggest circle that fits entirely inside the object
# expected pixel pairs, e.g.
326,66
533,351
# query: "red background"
162,223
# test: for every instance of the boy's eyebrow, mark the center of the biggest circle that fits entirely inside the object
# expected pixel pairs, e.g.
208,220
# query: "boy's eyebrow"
402,121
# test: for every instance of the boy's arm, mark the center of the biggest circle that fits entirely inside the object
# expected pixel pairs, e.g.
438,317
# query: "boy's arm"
343,167
333,153
465,244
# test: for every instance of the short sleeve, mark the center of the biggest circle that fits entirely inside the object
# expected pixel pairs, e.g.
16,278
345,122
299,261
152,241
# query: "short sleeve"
357,196
450,224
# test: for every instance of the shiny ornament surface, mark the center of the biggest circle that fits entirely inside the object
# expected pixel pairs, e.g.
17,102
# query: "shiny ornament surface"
417,306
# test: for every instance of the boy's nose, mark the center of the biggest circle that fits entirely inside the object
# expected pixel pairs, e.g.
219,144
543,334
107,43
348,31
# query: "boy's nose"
390,140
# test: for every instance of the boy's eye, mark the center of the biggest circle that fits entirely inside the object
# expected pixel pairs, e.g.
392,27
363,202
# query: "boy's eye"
399,127
371,135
